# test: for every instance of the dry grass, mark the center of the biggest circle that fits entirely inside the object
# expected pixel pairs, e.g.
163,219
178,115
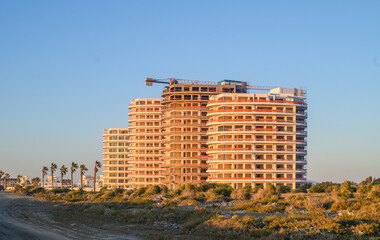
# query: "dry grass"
347,211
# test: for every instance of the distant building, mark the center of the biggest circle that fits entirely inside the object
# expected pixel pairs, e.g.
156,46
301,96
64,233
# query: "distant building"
11,182
88,181
115,157
48,182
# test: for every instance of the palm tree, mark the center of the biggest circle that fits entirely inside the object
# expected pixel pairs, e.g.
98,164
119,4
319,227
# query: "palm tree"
53,167
73,168
44,173
35,181
5,180
1,175
63,172
97,166
19,179
83,169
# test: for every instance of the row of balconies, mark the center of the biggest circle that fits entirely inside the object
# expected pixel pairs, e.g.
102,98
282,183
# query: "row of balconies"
249,179
166,165
117,141
145,140
183,124
144,118
184,116
262,130
133,167
141,127
184,174
144,104
255,121
279,146
257,101
139,175
184,98
177,181
242,150
272,170
115,157
142,112
250,160
257,140
168,108
249,112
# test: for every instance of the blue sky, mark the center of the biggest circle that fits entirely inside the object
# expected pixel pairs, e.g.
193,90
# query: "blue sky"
68,69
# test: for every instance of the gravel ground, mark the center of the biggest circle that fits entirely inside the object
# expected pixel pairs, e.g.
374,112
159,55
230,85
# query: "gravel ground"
23,217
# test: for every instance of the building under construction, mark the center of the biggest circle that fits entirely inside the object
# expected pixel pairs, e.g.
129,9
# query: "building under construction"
216,132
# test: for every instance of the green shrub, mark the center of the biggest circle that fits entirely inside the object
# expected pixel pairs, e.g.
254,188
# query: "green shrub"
223,190
347,187
370,229
257,188
204,187
318,188
37,190
164,189
152,190
59,190
282,189
140,191
241,194
301,189
376,181
338,206
118,191
17,189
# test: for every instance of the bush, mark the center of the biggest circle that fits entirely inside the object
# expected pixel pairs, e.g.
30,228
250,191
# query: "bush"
118,191
301,189
241,194
367,229
347,187
164,189
140,191
37,190
204,187
318,188
223,190
376,181
152,190
282,189
60,190
17,189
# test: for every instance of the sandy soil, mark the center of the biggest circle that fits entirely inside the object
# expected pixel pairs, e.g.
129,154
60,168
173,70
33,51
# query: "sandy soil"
23,217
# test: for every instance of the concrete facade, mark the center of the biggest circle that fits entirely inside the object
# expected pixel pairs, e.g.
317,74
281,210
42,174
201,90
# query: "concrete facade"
212,133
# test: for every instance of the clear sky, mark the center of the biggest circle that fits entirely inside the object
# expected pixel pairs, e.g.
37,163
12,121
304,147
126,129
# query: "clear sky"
68,70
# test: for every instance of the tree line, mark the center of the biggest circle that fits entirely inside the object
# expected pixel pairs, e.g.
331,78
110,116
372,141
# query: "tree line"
63,171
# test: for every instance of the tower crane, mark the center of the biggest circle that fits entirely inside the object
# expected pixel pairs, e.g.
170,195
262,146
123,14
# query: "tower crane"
170,81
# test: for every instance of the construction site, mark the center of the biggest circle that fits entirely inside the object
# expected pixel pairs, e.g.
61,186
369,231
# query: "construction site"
220,132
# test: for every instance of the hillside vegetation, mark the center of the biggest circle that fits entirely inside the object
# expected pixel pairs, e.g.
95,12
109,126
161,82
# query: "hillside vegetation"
215,211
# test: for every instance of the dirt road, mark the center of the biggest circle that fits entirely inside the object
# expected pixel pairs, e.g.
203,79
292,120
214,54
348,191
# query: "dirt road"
23,217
